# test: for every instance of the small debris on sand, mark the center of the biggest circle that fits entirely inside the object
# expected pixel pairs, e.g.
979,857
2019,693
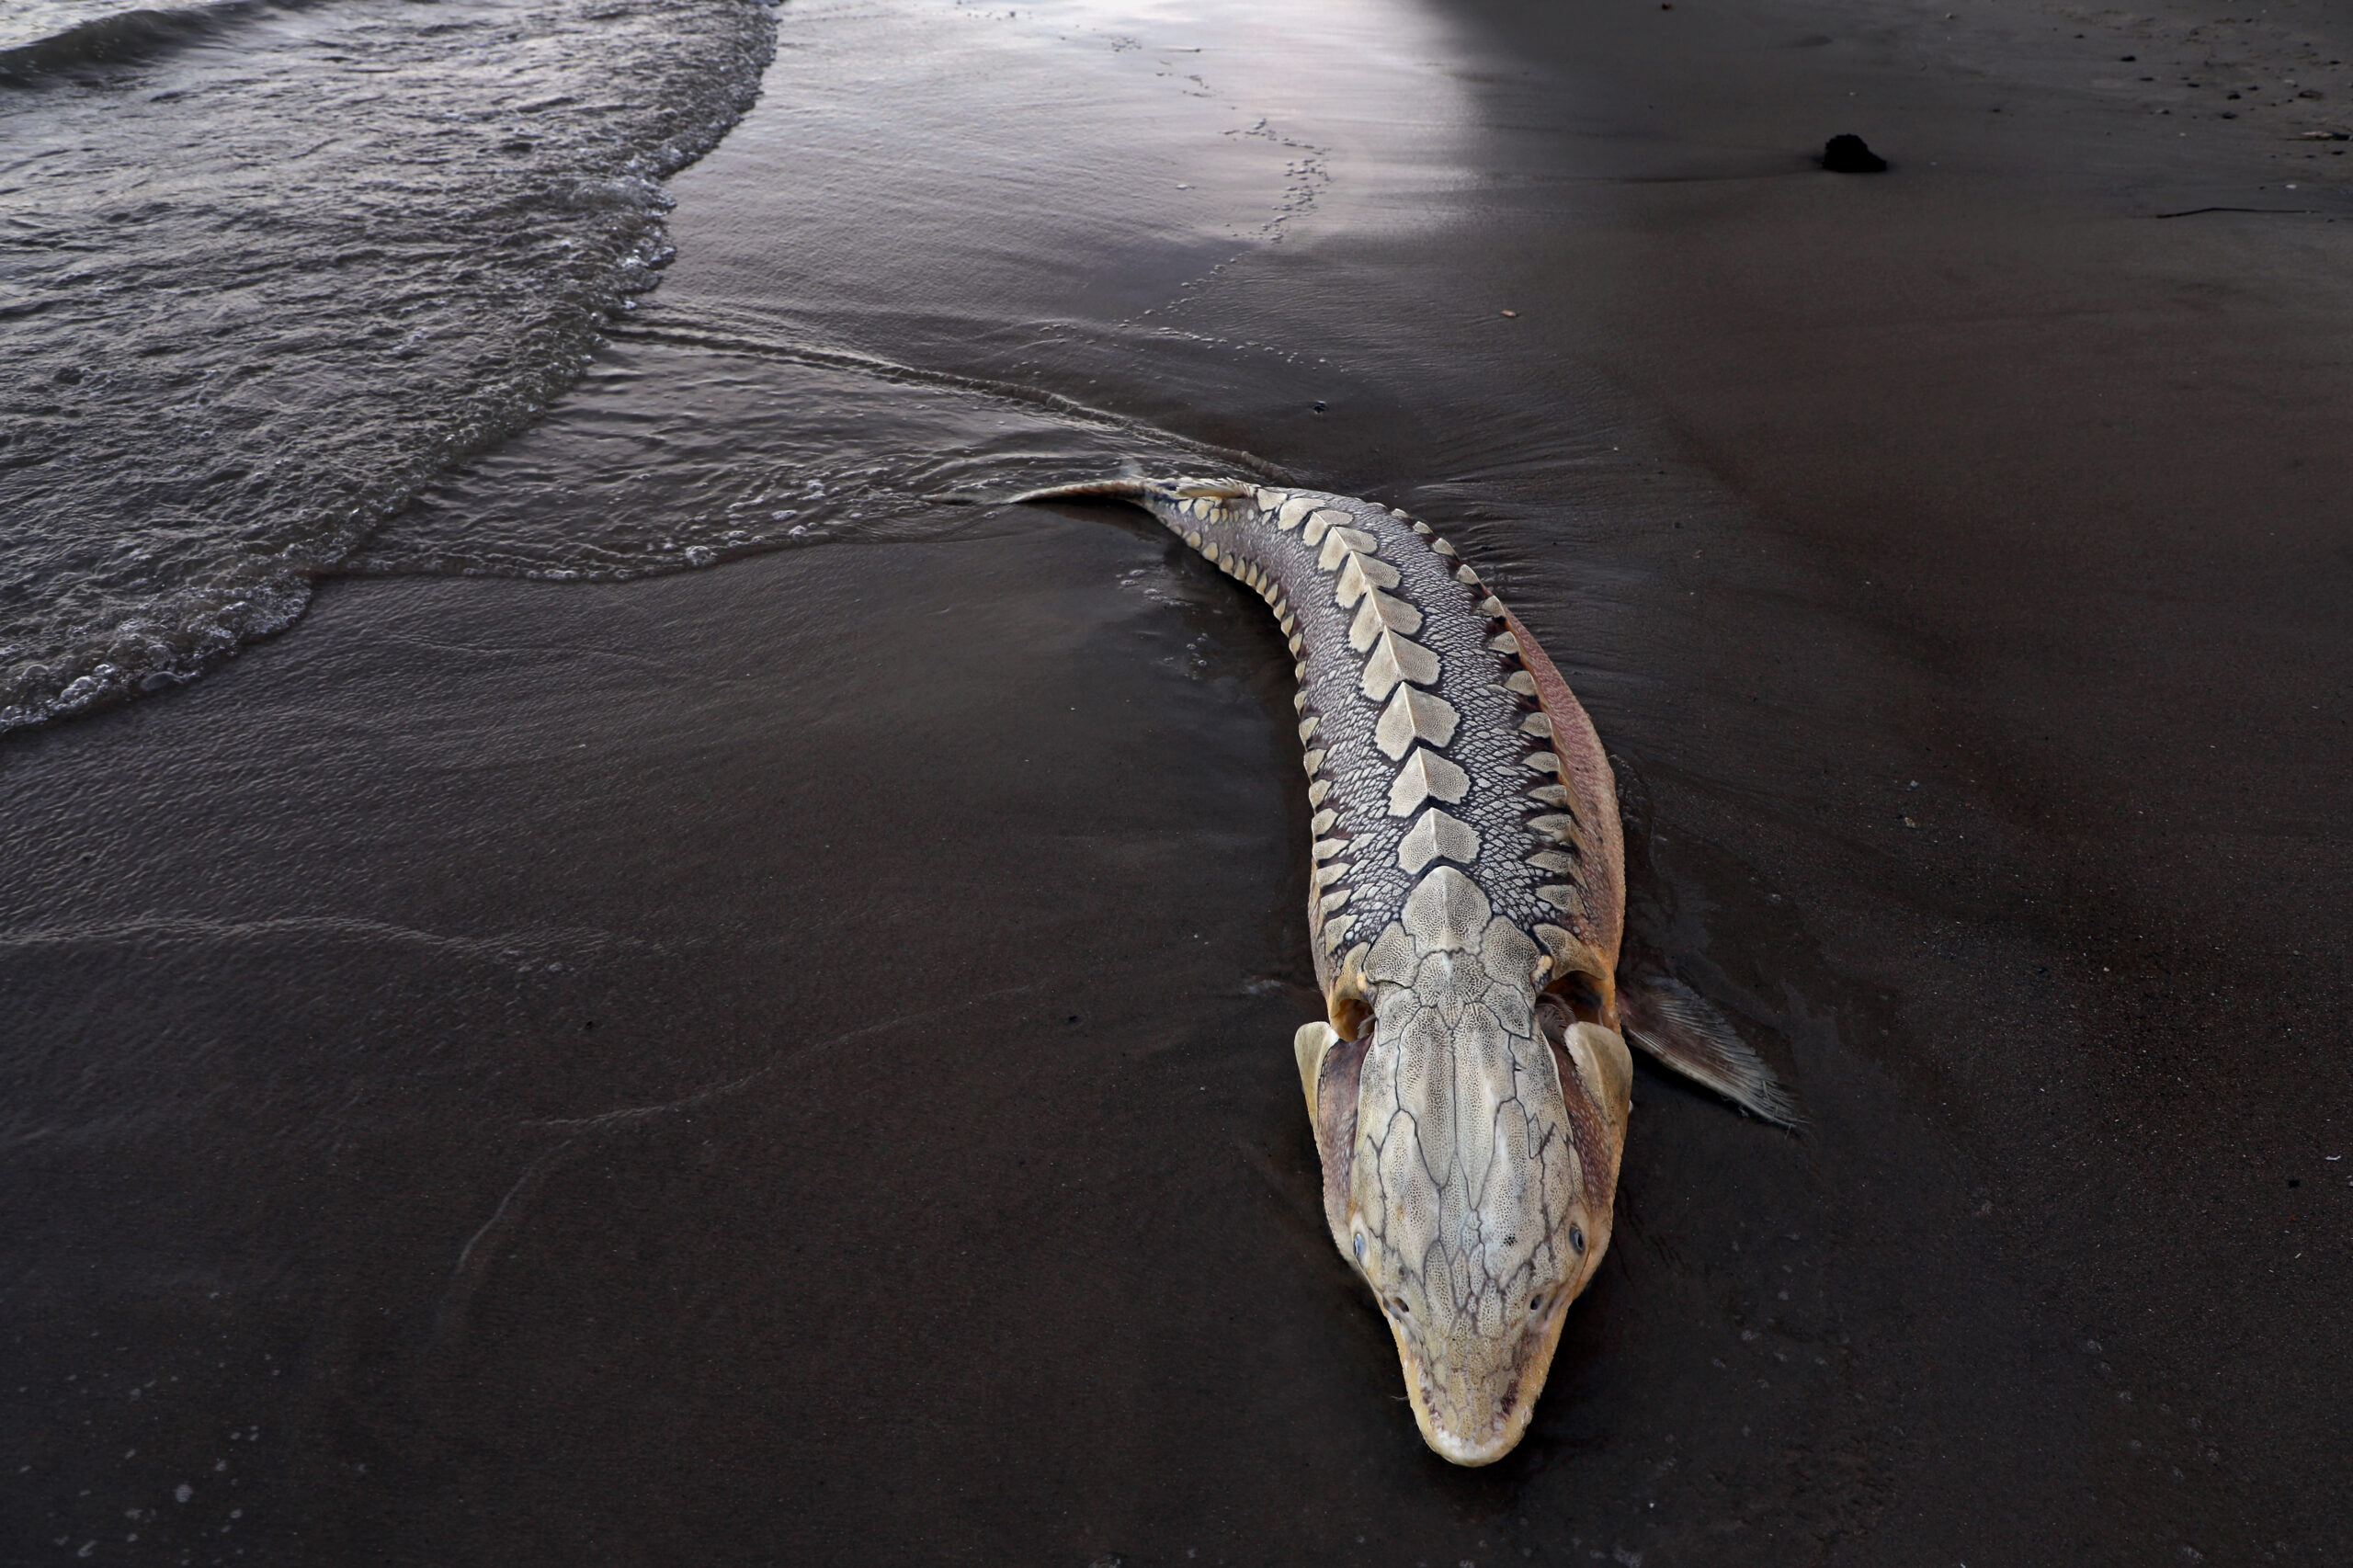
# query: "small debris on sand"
1850,156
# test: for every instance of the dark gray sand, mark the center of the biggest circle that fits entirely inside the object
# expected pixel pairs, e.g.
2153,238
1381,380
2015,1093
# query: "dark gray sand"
787,1063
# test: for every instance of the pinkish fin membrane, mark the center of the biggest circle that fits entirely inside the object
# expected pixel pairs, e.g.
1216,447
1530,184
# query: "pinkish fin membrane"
1683,1031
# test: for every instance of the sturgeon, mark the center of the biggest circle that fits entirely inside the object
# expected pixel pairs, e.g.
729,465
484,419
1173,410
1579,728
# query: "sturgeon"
1469,1082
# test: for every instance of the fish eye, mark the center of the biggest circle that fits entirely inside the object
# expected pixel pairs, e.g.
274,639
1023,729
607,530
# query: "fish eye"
1577,1239
1536,1303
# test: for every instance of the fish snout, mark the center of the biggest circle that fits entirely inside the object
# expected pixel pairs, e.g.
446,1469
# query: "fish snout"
1471,1411
1473,1393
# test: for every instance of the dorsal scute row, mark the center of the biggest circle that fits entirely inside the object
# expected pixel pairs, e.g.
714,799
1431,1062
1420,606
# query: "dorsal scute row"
1418,716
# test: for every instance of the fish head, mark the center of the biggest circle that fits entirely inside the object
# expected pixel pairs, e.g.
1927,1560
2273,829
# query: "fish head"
1481,1145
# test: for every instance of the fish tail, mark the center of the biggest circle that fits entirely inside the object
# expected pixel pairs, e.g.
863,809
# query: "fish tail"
1106,489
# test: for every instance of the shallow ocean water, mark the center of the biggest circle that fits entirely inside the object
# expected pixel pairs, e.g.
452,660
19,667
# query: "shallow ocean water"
270,268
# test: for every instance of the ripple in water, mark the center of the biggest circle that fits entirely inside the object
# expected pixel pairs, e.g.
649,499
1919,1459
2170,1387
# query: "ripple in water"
751,446
265,269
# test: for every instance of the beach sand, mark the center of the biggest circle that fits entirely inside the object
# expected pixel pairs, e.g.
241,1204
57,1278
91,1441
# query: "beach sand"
787,1062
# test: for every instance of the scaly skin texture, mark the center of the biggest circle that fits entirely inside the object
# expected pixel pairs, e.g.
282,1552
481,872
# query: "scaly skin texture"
1469,1088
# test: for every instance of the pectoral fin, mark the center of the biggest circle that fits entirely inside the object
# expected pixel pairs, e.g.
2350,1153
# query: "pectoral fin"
1309,1045
1329,1069
1679,1028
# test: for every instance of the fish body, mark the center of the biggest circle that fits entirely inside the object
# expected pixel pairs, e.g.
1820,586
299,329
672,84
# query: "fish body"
1469,1084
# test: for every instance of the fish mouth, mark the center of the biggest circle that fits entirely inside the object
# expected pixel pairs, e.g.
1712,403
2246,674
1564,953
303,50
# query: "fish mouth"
1475,1448
1473,1417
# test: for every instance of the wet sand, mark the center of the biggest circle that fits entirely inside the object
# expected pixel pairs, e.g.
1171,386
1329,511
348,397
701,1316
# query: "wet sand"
786,1062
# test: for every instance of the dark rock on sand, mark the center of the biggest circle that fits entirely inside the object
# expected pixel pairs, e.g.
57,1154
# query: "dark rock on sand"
1851,156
